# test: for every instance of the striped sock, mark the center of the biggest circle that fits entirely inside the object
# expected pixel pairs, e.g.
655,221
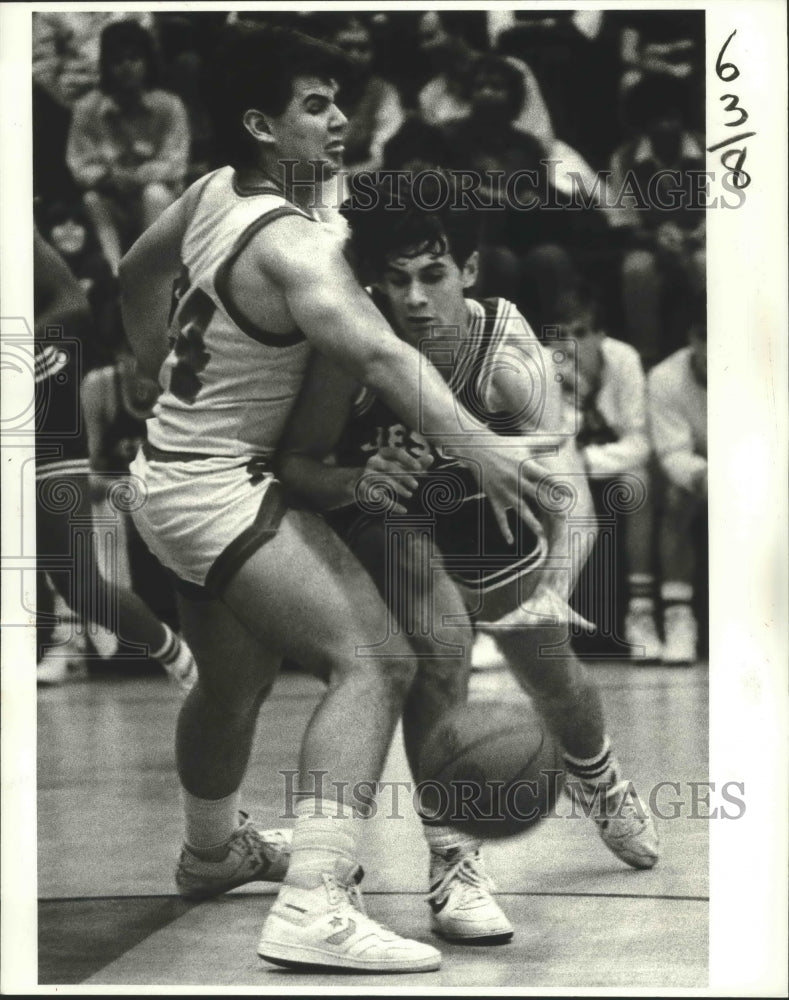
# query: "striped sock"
676,592
176,658
602,769
170,648
642,588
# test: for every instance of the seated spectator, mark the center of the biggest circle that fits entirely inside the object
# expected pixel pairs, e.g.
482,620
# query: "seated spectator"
677,392
65,67
446,96
664,262
371,105
528,254
68,230
128,145
605,396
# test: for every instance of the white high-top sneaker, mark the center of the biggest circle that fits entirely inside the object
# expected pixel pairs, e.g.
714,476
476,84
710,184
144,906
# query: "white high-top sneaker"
328,928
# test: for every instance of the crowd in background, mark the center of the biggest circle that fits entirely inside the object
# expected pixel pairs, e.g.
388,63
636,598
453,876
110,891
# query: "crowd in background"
594,98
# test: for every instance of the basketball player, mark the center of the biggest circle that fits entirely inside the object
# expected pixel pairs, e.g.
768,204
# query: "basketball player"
422,262
259,282
62,473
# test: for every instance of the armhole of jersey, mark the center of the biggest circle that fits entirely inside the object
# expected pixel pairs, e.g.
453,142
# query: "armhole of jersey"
223,274
194,196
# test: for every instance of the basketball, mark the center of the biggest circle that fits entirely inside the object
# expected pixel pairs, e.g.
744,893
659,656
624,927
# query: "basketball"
490,767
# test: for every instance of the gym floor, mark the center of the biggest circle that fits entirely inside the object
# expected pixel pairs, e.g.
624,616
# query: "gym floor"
109,827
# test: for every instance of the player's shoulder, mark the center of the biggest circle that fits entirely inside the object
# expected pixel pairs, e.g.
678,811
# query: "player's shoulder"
504,317
294,242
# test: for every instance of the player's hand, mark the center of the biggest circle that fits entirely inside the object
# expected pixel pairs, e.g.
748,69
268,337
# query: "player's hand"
546,608
507,475
395,471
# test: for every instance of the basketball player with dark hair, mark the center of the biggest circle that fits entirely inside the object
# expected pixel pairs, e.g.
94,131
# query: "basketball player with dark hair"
260,281
423,261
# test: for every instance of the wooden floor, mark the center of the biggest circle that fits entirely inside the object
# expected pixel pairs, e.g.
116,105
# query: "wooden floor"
109,826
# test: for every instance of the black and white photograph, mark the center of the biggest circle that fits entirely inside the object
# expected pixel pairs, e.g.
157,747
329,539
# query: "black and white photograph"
394,536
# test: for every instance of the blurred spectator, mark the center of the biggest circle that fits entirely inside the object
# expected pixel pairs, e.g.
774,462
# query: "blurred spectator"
116,402
128,145
573,59
668,45
529,252
371,105
68,230
187,42
678,422
664,262
604,383
447,96
65,66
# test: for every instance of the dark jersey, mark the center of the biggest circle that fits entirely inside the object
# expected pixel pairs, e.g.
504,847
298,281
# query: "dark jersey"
448,499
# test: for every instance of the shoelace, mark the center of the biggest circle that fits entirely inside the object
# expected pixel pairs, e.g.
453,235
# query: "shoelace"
467,871
252,843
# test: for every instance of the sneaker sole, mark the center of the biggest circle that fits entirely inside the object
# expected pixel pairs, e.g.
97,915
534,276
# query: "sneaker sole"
304,957
502,937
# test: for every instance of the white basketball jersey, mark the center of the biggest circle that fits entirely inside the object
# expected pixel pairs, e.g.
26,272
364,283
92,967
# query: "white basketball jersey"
228,387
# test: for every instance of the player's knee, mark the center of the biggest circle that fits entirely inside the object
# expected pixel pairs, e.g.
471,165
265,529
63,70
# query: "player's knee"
389,674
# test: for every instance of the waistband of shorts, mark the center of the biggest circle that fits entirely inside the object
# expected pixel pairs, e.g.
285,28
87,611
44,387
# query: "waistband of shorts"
154,454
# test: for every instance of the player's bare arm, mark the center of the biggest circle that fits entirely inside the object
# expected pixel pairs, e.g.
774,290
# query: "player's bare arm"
147,274
312,434
325,301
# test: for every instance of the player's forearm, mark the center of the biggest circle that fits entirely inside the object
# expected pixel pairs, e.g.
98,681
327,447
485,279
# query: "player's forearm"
572,529
322,487
142,321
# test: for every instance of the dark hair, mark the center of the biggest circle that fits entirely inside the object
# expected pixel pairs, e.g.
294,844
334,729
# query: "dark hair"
120,37
492,65
408,214
255,67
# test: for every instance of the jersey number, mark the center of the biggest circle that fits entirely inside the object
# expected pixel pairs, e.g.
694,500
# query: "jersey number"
195,311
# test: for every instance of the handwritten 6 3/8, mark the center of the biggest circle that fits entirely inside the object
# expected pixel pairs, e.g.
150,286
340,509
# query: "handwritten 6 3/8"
732,159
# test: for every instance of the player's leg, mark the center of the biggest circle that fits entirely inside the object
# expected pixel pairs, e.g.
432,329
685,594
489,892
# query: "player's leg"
216,728
427,606
544,664
677,553
639,535
305,596
64,532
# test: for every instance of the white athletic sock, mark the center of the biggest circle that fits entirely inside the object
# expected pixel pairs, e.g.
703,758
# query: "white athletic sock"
444,841
676,592
210,823
602,769
325,831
